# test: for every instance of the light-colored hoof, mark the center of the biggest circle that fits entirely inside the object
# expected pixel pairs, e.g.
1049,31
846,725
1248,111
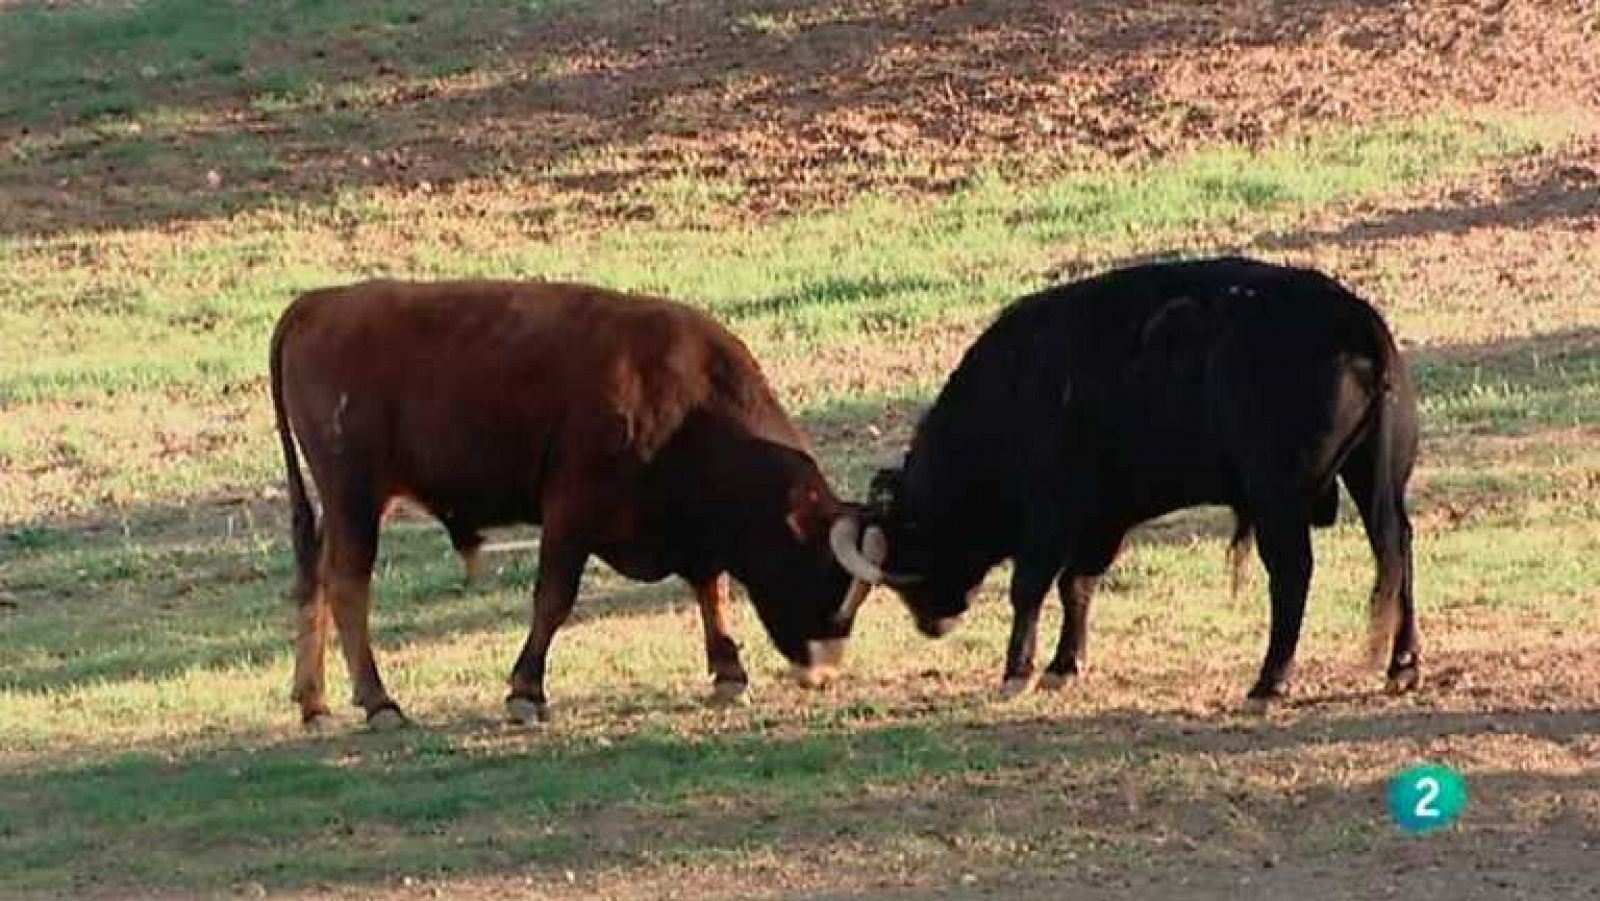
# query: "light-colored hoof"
826,654
322,722
524,712
813,677
729,694
1407,680
1056,681
1015,688
386,720
1259,706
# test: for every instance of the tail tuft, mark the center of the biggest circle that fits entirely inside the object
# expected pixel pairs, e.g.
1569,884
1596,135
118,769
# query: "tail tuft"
1239,547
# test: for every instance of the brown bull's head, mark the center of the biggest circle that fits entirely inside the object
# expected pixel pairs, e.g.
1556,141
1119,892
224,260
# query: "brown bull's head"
806,597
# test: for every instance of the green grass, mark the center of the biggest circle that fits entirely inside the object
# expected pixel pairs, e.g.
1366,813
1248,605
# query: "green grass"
189,316
1517,391
83,62
126,805
149,324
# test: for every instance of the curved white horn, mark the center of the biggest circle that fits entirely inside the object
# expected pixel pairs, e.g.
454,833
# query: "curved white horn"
875,546
853,599
874,549
842,537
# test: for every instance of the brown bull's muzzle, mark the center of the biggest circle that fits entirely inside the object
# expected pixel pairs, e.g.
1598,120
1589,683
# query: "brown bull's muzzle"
825,658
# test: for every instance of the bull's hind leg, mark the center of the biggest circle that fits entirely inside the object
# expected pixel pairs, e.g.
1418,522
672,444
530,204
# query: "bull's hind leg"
729,681
349,548
560,571
1283,540
1405,656
1405,651
350,596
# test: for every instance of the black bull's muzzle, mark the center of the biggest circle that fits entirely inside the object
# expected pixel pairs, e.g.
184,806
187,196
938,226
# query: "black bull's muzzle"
937,626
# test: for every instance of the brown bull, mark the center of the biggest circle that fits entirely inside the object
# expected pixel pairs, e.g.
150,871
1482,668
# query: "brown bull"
634,429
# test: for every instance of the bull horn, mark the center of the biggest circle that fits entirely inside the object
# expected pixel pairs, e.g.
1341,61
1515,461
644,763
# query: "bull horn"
853,599
874,550
842,537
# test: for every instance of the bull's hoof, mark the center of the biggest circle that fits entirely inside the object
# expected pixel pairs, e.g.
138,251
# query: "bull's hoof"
729,693
1259,706
1261,702
387,719
1016,687
813,676
1265,695
527,712
1404,680
317,723
1056,681
938,628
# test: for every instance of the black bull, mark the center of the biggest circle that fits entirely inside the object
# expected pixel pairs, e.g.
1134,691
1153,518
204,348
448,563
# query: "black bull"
1091,407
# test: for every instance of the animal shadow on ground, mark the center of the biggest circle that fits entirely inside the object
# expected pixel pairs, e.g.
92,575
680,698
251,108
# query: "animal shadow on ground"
1528,195
1113,777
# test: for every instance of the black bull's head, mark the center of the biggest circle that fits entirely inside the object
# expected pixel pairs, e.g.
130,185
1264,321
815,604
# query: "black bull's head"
861,543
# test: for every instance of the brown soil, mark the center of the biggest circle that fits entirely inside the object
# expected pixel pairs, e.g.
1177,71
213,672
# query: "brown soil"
1220,806
799,103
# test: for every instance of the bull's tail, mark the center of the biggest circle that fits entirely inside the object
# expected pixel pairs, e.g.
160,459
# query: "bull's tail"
303,518
1239,554
1386,528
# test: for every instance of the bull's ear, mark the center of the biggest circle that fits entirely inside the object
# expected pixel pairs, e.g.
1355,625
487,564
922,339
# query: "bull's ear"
883,494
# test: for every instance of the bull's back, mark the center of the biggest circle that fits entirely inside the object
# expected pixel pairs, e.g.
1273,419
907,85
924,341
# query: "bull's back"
1146,372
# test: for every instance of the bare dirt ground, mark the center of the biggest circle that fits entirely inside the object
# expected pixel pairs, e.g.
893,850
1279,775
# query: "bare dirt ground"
1226,806
795,104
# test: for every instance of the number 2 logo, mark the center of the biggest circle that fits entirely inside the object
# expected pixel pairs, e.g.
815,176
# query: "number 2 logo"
1426,797
1429,787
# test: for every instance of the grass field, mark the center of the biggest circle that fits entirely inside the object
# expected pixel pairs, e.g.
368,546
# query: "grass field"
855,189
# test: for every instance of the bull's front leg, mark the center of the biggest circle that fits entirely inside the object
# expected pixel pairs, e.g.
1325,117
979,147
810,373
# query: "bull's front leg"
560,570
1030,581
1076,591
1093,554
468,544
729,681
